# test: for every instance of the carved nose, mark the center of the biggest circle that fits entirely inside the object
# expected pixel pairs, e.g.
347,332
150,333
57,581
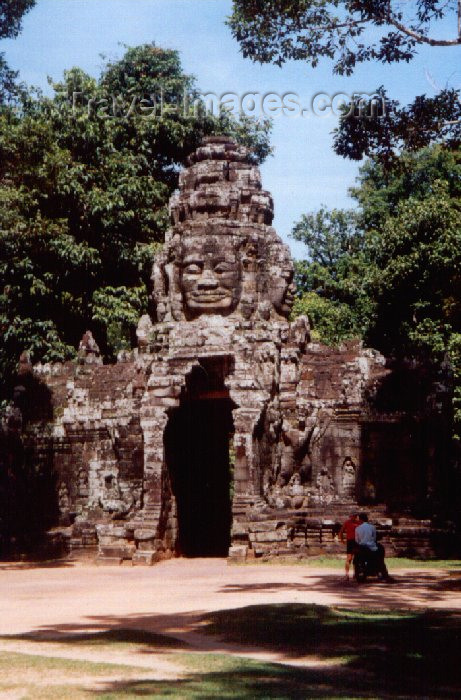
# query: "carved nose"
207,280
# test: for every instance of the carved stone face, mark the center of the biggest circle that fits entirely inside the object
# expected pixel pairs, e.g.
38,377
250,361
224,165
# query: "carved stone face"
209,276
282,290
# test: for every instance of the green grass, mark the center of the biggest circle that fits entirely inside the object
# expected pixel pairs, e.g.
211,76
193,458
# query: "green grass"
244,679
47,692
19,663
333,561
30,676
205,676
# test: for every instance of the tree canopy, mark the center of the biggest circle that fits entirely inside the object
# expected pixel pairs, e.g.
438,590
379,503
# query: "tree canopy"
11,14
346,31
395,130
85,178
350,32
330,281
394,278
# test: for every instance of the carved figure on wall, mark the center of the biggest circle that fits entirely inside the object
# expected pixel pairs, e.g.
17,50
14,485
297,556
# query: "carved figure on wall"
325,490
348,478
64,504
288,494
299,494
111,498
88,350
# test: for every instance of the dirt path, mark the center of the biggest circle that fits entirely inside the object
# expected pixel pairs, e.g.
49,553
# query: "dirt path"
50,604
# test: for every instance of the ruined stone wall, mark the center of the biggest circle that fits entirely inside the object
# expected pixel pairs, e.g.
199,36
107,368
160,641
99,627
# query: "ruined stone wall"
310,463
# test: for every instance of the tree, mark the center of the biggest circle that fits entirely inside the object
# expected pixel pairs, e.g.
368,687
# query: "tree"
85,178
345,31
349,32
396,129
413,224
331,281
11,14
402,281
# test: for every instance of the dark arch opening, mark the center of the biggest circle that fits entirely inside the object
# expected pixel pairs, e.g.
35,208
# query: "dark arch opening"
197,442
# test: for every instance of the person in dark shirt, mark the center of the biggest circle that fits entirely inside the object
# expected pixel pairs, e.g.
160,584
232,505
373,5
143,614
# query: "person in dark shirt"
348,532
365,537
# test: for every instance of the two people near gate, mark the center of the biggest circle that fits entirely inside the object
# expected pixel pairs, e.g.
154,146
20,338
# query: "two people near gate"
360,537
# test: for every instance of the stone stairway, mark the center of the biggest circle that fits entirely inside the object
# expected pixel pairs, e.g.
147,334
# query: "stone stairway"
257,531
268,532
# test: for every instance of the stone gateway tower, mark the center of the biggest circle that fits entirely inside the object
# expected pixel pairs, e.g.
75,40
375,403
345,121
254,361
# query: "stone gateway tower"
226,431
221,357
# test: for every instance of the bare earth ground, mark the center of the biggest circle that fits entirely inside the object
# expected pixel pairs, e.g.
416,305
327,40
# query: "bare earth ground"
50,603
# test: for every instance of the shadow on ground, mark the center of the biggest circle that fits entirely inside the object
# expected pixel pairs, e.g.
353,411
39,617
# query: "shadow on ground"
412,589
339,652
37,563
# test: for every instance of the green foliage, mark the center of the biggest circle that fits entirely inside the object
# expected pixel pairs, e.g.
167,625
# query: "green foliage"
85,178
11,13
348,32
332,322
329,235
332,281
454,355
417,254
118,309
351,32
400,278
395,130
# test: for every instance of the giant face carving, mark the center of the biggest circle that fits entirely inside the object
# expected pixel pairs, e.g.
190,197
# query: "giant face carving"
210,276
282,289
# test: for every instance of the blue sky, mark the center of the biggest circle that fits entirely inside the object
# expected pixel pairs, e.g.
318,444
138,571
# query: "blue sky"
304,172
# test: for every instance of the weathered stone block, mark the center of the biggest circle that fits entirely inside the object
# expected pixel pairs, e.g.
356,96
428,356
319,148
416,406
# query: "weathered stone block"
122,551
272,536
144,534
265,526
146,558
107,560
238,553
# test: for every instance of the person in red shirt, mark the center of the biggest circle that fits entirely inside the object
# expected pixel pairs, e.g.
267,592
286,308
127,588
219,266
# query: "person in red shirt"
348,530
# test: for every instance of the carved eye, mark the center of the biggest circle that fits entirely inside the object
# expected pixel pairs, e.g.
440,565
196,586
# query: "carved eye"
223,267
193,269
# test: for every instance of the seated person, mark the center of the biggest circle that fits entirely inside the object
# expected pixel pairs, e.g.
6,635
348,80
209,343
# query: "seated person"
365,537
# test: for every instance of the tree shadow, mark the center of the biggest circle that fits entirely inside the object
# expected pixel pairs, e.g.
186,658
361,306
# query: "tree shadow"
246,680
411,589
326,652
148,642
405,653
